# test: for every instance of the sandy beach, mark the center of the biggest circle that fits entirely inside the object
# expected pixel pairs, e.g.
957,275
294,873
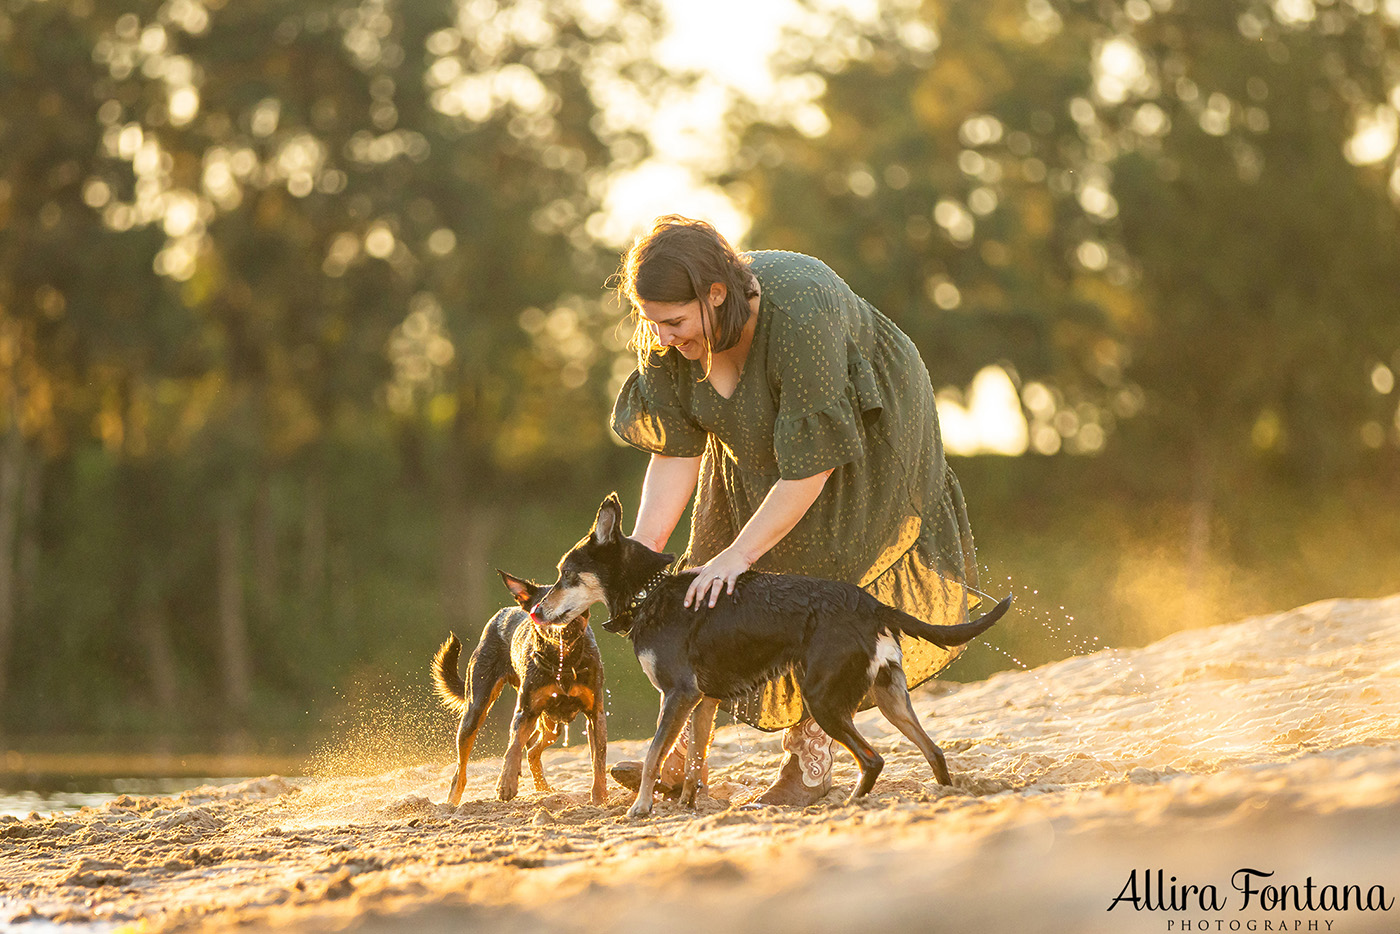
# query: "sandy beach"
1241,777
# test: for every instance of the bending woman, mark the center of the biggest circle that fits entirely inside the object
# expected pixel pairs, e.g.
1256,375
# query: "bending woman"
803,421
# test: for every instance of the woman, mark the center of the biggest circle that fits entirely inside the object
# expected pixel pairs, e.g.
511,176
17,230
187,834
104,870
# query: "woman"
806,421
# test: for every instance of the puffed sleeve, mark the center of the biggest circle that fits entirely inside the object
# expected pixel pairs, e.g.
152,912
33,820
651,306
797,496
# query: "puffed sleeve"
649,415
823,385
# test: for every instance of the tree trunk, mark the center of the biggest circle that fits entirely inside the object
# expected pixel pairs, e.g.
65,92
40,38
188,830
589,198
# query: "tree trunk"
146,572
470,521
233,624
342,591
153,630
11,478
264,553
469,531
313,547
31,501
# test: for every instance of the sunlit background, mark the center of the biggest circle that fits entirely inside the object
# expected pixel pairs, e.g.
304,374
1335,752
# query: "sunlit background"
305,326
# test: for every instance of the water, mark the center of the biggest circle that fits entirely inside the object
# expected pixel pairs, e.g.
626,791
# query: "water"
1000,651
86,791
1059,636
1040,631
75,773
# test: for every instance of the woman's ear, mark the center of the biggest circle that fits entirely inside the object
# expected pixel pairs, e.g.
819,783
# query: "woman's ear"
717,295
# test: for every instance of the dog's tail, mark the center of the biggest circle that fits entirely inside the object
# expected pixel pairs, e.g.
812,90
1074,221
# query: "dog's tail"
451,689
945,636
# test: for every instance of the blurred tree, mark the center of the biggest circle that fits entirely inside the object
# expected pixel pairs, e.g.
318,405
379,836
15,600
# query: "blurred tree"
920,184
1185,206
530,107
252,246
256,117
1264,251
68,311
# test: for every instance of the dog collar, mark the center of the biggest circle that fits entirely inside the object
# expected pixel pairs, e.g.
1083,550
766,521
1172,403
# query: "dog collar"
619,622
647,589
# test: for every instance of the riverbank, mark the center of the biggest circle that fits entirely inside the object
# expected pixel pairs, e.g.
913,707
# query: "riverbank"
1271,744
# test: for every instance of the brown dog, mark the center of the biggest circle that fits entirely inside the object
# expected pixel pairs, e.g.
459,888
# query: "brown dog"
558,672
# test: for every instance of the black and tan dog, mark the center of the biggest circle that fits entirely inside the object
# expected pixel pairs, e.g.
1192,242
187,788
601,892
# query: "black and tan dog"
557,670
840,640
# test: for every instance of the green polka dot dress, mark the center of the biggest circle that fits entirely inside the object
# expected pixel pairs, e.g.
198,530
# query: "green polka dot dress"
829,382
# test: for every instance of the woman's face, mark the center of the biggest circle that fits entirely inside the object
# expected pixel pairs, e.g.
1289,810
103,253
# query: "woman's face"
678,325
682,325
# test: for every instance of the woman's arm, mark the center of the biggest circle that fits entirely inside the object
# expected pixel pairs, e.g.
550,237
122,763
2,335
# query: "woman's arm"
665,493
786,503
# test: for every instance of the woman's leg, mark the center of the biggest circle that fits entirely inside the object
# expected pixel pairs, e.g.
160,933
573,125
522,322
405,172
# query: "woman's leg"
805,775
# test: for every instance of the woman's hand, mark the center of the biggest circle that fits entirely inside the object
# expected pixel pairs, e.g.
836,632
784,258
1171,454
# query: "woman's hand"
716,577
787,502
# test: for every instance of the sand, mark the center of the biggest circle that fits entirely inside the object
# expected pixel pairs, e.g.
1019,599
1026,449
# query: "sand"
1271,745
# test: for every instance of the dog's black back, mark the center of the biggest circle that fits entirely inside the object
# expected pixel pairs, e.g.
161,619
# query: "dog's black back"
772,622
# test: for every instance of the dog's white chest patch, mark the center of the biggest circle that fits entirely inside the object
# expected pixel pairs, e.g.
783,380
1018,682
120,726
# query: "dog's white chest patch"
886,653
647,658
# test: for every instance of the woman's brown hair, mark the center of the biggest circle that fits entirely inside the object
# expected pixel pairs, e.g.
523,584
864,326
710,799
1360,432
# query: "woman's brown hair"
678,261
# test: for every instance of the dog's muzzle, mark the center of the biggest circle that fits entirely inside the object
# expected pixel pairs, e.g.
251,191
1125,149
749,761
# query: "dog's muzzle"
620,626
545,626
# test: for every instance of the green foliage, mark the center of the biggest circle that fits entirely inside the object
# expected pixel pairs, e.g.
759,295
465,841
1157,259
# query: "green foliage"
291,295
1133,200
968,253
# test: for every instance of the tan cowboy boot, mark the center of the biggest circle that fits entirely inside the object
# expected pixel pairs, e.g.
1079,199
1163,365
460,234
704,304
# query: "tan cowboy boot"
805,775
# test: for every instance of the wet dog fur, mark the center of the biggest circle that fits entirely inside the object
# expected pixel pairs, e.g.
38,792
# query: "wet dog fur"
842,641
525,652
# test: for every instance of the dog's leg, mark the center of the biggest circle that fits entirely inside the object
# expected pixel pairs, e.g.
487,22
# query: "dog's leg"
837,723
546,733
676,705
483,695
702,727
891,693
598,748
521,726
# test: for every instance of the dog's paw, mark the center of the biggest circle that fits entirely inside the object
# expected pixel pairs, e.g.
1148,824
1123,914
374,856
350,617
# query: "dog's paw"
639,810
505,791
599,796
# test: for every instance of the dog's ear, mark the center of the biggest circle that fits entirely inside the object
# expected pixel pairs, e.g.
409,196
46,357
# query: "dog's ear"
523,590
606,528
